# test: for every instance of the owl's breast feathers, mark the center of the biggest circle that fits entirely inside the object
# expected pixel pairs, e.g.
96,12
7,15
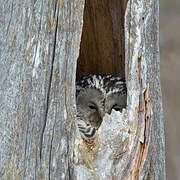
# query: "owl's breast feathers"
87,131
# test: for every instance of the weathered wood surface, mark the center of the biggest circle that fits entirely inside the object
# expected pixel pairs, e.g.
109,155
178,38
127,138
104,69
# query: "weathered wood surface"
39,45
144,89
102,45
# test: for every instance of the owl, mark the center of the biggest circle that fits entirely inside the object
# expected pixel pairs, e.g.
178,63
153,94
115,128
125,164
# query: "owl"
95,96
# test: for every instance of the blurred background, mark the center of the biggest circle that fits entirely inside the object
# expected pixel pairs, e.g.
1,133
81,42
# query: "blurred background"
170,82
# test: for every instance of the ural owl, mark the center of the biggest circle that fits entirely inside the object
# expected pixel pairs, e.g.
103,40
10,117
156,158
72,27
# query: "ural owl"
95,96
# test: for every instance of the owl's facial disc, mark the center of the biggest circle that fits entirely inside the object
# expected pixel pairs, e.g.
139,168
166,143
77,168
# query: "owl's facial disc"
90,104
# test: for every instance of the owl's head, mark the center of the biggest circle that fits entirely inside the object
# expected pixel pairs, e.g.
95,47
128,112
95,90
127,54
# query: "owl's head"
95,96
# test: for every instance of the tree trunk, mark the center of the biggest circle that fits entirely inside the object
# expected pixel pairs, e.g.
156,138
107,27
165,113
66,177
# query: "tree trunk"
39,48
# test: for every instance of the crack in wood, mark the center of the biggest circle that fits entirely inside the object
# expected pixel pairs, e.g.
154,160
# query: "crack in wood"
49,86
52,72
10,19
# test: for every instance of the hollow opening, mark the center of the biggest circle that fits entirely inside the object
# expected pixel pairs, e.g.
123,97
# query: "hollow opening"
102,49
102,52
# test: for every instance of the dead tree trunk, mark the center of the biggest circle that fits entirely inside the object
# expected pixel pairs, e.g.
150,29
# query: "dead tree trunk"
39,48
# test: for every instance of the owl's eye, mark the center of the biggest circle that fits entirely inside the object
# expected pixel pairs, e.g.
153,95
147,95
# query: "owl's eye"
92,106
117,108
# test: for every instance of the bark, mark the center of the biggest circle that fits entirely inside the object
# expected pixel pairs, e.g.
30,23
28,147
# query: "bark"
39,48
